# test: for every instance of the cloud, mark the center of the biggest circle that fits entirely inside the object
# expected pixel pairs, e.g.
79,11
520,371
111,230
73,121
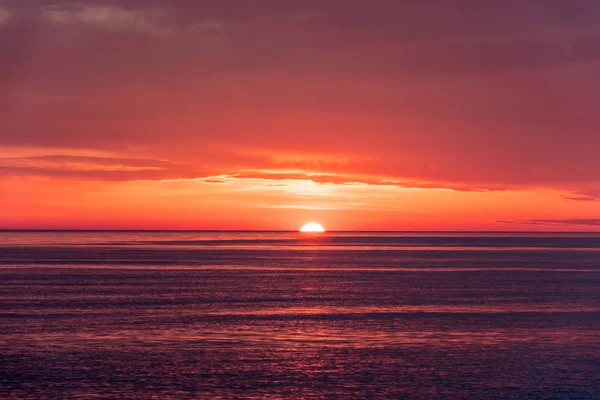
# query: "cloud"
224,179
83,163
332,178
364,92
581,197
565,222
5,15
97,168
105,168
108,16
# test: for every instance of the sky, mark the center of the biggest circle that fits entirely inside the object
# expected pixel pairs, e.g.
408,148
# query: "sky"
266,114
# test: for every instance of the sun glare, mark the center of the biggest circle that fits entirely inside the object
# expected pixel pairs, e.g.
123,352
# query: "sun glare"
312,227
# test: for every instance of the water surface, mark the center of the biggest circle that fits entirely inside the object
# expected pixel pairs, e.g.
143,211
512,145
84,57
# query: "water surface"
288,315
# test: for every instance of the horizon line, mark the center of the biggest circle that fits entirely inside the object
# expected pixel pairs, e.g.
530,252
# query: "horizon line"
285,230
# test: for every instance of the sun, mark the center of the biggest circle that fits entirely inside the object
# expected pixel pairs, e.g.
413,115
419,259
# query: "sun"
312,227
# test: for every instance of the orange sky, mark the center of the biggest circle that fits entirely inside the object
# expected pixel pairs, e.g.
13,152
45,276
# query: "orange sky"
379,115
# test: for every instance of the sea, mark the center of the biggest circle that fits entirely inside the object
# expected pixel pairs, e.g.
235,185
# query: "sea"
286,315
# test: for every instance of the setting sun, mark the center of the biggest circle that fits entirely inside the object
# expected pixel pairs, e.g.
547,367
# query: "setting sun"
312,227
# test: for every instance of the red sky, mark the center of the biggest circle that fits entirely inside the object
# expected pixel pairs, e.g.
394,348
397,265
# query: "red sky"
265,114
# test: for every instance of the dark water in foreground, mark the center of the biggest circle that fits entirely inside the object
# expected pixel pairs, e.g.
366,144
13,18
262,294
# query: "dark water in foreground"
214,315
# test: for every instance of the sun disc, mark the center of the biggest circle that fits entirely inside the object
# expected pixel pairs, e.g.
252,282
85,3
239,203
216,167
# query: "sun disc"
312,227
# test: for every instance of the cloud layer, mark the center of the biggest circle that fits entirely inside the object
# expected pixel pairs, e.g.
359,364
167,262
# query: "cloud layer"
560,222
488,96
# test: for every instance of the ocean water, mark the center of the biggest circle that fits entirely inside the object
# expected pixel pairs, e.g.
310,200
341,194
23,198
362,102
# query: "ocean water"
284,315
